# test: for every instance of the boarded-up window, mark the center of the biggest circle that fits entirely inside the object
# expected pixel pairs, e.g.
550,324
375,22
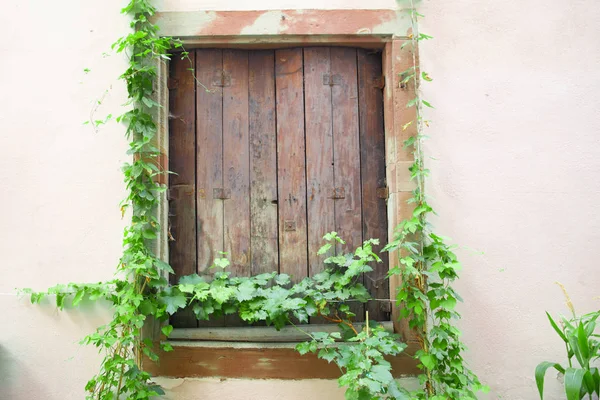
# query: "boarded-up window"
273,149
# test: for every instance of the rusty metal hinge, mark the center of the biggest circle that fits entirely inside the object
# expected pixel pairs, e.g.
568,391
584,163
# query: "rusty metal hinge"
386,306
383,192
379,82
338,193
222,194
175,192
172,83
332,79
289,226
223,79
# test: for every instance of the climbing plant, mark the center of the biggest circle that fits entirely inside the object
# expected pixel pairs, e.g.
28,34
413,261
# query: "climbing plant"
140,289
428,265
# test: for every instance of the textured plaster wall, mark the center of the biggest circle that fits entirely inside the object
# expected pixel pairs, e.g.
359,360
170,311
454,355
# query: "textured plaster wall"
515,135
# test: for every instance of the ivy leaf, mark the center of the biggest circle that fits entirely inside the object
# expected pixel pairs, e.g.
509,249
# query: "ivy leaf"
167,329
173,299
381,373
324,249
245,291
78,297
220,292
428,361
282,279
166,347
221,263
327,353
163,266
303,348
293,304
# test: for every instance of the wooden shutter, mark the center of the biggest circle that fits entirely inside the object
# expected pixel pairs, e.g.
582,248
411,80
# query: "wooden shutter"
273,149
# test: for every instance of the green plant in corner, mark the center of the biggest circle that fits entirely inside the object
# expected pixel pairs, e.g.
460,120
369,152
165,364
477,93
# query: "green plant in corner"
581,342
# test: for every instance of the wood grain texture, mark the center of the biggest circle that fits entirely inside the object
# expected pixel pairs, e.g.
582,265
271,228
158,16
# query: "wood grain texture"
236,161
346,150
291,163
279,361
261,334
264,243
346,144
209,161
372,152
182,142
319,153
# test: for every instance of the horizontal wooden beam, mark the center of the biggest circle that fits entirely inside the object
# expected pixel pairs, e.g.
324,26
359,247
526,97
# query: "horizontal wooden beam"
286,41
260,333
255,361
270,23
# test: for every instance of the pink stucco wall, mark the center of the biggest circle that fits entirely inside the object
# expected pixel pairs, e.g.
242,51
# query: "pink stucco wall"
514,134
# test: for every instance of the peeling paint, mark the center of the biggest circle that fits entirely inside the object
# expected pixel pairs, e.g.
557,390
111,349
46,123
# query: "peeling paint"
263,25
236,24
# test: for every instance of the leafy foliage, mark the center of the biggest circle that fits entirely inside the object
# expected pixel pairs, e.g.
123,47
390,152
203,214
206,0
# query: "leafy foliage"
428,266
366,373
580,338
140,289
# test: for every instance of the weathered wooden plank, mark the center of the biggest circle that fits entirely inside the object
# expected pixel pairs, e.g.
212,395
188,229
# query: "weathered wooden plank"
372,155
236,161
264,243
319,152
261,333
248,360
346,145
346,150
291,163
182,188
209,162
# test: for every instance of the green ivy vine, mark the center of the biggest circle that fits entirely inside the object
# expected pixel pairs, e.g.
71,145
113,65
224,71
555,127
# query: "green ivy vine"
140,289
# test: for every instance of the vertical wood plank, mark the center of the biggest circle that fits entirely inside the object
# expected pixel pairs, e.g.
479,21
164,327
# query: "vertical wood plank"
236,161
319,153
209,161
291,163
264,243
372,155
182,143
346,150
346,144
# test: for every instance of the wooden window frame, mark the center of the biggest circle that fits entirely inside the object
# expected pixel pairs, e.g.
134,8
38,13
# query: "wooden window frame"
385,30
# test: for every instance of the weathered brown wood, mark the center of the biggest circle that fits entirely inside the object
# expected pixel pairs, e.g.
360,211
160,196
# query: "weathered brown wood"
182,142
261,334
266,188
396,60
346,149
319,153
236,161
291,163
258,361
209,161
264,242
372,152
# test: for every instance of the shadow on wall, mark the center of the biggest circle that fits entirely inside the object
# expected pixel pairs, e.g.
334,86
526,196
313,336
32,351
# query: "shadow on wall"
15,379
